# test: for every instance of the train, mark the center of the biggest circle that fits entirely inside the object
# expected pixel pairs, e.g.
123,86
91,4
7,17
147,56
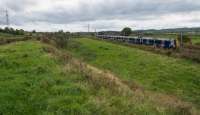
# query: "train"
160,43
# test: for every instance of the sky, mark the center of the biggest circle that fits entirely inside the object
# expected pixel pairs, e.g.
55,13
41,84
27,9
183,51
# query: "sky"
102,15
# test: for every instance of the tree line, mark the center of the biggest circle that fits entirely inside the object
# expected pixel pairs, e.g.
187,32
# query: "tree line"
12,31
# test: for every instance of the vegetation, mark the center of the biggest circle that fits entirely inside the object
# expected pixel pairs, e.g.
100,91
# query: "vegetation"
34,31
37,79
61,39
126,31
178,77
12,31
8,36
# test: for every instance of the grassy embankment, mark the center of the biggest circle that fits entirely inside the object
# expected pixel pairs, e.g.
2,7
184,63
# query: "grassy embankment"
33,80
167,75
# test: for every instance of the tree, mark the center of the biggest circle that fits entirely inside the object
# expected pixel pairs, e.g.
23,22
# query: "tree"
60,31
34,31
11,31
1,30
126,31
6,30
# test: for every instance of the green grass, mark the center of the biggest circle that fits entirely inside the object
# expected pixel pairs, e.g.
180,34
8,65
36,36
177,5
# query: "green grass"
34,82
155,72
196,39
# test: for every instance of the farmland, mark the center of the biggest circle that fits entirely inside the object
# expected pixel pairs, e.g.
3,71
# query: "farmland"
154,72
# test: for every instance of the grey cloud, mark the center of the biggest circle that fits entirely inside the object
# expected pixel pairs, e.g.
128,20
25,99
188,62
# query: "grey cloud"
99,10
16,5
121,9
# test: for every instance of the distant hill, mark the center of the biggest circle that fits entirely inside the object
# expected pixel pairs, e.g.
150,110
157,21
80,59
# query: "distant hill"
171,30
158,31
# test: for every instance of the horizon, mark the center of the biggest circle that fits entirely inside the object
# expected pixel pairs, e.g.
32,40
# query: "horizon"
3,27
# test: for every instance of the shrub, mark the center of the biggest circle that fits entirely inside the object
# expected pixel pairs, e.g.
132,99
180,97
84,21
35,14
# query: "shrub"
61,39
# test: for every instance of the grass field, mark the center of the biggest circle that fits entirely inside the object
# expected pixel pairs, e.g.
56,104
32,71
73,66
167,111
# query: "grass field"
196,39
154,72
35,82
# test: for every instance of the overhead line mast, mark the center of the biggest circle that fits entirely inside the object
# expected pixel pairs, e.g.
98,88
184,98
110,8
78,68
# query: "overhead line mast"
7,18
6,14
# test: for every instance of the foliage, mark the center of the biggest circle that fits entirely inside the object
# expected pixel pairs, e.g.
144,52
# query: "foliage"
61,38
12,31
126,31
34,31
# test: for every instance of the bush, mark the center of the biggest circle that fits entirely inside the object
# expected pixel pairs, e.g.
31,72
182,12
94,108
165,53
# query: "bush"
12,31
61,39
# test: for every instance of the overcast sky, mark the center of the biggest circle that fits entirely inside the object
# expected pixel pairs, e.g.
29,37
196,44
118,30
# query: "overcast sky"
75,15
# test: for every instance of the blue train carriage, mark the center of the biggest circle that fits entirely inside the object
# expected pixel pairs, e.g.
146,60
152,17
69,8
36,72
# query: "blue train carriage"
145,41
121,38
158,43
161,43
131,40
167,43
138,41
